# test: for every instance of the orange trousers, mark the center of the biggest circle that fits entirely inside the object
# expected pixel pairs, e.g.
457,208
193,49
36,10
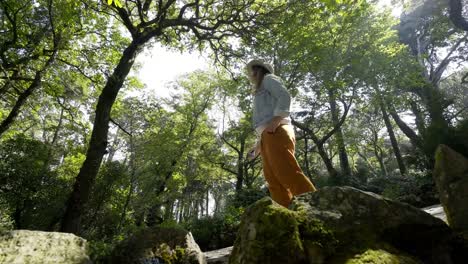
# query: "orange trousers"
280,168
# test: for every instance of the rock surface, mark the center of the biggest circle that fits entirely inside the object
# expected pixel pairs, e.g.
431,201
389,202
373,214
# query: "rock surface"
155,245
437,211
343,225
451,178
24,246
219,256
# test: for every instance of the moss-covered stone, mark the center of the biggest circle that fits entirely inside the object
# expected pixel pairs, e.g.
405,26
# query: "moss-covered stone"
268,233
342,225
359,220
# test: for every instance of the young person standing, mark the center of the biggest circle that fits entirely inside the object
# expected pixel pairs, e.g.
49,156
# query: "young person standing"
276,143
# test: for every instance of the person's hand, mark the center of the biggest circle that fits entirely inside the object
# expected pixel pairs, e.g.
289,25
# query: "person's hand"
254,152
273,125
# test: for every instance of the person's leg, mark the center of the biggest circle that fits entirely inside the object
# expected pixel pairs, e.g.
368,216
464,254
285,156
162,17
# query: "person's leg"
278,193
281,146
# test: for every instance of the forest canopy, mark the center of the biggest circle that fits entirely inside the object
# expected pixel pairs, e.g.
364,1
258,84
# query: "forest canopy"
87,148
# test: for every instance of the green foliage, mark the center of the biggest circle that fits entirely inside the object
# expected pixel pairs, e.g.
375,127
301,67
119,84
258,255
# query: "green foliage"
217,231
6,223
31,194
98,250
416,189
103,214
176,255
246,197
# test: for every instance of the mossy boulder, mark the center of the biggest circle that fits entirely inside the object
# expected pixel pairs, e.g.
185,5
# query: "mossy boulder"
269,233
37,247
451,178
342,225
152,245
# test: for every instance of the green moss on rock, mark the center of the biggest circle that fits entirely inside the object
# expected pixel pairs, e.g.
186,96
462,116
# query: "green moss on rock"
317,239
270,233
381,256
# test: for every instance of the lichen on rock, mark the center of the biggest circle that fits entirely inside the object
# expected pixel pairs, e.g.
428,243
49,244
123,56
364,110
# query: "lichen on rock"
38,247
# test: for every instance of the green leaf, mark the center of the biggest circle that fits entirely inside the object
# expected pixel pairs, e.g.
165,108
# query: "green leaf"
118,4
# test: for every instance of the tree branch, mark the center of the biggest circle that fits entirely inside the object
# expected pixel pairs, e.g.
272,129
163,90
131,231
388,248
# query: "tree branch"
229,144
413,137
436,75
119,126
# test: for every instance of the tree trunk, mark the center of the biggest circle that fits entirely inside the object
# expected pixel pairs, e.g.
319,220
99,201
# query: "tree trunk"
378,153
36,83
8,121
419,117
131,186
328,162
306,156
408,131
343,155
438,129
207,202
393,140
98,143
240,168
17,215
456,15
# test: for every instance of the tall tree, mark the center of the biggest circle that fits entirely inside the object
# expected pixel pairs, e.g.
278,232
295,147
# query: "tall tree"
172,23
436,45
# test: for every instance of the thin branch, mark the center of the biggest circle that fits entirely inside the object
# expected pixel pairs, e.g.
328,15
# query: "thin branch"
435,76
229,144
121,128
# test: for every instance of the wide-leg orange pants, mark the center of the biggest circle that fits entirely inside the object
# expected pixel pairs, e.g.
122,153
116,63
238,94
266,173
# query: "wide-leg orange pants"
280,168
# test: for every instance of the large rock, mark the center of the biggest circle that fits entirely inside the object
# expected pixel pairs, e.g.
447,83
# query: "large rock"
343,225
155,245
24,246
451,177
